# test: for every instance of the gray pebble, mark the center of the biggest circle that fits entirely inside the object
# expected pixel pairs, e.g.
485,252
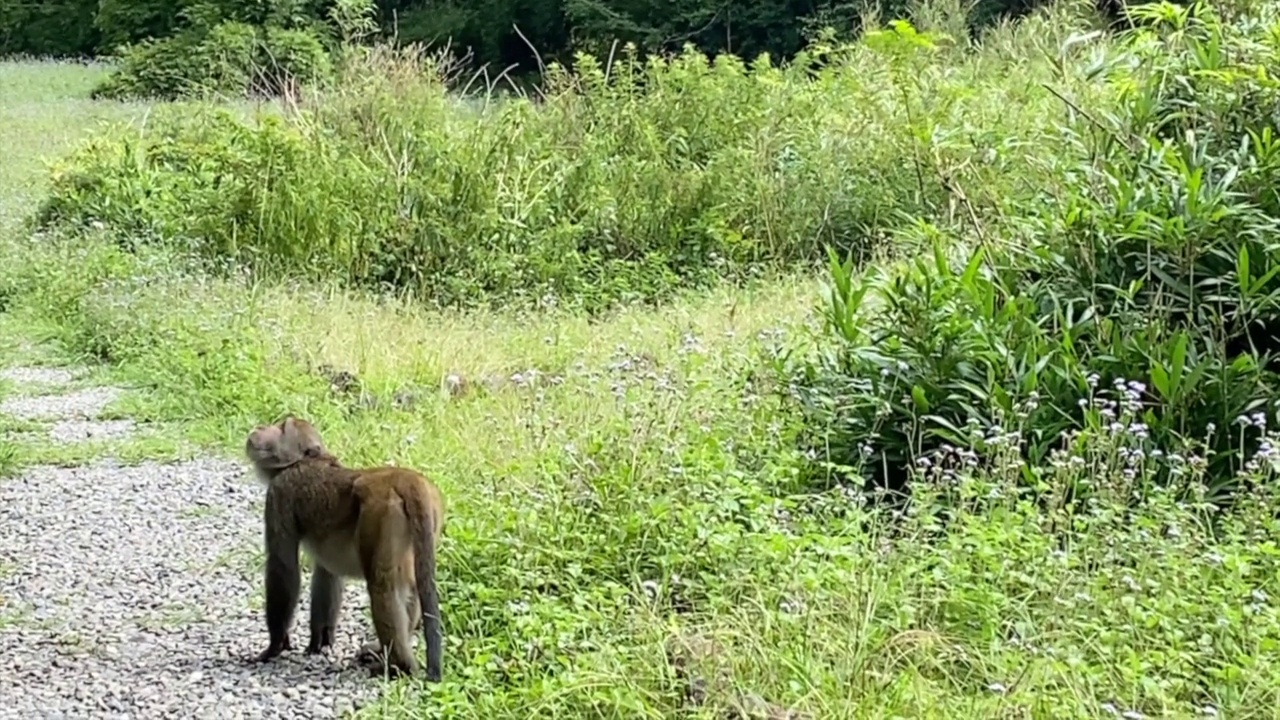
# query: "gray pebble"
74,431
87,403
120,601
26,376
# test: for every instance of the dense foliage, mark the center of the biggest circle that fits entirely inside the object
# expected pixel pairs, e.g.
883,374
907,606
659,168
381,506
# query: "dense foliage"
221,48
1137,290
229,59
50,27
1131,266
619,183
487,28
233,47
1062,345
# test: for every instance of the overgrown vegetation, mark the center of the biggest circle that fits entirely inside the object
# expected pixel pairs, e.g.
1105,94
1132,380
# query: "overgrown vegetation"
625,181
499,34
1063,350
226,49
1145,266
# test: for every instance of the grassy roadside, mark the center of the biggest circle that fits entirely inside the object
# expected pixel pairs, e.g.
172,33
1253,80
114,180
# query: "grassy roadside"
625,537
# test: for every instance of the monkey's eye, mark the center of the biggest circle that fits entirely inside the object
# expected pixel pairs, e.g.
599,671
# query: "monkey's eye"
311,452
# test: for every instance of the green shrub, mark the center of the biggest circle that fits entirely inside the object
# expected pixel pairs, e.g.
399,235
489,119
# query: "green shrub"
1148,269
289,56
125,22
626,182
227,59
50,27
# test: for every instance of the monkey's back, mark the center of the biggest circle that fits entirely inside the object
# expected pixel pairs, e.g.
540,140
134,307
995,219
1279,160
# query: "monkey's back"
322,492
399,485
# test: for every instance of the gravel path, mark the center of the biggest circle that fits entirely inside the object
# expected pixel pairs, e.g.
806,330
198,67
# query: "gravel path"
134,592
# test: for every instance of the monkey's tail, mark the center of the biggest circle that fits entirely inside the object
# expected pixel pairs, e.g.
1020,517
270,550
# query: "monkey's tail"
421,522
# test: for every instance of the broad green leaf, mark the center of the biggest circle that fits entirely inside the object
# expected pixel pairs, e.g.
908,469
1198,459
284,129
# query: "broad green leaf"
1160,380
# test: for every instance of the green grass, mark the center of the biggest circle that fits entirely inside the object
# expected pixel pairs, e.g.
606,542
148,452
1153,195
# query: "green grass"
624,533
44,108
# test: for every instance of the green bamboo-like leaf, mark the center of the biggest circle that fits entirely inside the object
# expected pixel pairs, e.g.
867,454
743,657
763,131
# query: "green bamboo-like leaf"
1177,362
1242,270
917,394
1160,380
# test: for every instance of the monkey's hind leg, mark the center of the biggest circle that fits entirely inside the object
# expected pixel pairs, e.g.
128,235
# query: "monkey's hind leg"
412,608
391,623
372,653
326,606
383,548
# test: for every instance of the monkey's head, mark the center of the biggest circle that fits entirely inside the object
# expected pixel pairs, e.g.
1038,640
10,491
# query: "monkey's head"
272,448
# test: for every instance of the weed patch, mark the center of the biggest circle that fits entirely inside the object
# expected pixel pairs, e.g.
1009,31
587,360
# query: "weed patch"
656,512
628,180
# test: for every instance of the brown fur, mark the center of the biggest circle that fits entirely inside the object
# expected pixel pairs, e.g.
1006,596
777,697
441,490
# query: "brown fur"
379,524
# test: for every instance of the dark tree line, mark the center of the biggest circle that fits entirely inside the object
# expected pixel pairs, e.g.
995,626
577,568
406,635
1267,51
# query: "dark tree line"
487,27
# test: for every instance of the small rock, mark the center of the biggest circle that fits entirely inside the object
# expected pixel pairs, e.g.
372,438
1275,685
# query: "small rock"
158,593
87,403
22,376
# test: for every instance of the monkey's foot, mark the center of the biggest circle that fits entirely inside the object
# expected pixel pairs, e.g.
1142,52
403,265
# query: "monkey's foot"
274,649
389,670
372,657
320,640
370,653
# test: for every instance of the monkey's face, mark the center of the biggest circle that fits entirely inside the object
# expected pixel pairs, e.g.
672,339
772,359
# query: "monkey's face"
263,445
275,447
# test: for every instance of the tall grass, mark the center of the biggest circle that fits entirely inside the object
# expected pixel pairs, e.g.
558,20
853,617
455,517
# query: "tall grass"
43,108
627,536
626,178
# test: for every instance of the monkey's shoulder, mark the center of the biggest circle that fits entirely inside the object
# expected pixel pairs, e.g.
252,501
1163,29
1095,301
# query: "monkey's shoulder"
310,483
325,470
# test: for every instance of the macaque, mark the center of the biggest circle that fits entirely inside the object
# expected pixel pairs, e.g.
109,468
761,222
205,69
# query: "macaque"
380,524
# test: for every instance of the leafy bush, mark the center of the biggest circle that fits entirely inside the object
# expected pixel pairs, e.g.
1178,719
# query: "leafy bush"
50,27
1148,266
219,61
230,58
623,182
289,56
125,22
